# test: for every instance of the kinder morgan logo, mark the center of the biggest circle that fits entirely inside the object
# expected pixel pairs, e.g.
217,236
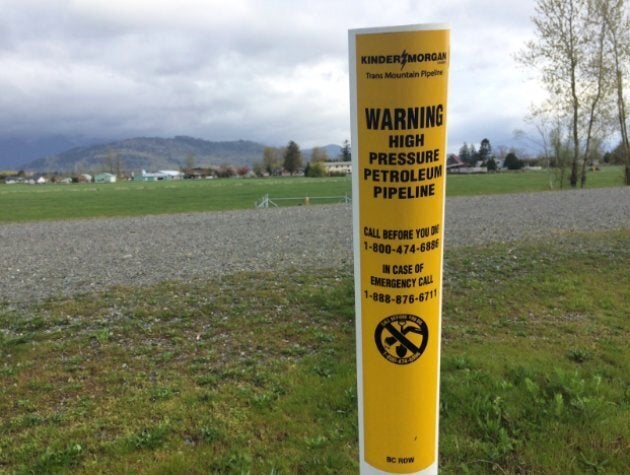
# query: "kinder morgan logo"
404,58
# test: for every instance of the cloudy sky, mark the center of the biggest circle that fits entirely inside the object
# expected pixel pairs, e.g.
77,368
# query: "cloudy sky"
263,70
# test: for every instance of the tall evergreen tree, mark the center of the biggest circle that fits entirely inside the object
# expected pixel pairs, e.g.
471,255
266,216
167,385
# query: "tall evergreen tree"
292,158
346,153
464,154
485,151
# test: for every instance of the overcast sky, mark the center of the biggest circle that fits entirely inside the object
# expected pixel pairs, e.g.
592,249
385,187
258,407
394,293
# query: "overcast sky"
264,70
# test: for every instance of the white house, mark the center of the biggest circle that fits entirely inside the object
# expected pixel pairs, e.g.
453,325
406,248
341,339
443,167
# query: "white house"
338,167
159,175
105,178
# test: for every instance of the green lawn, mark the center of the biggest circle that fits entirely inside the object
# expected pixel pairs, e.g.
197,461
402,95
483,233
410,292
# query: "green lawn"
255,372
41,202
28,202
526,181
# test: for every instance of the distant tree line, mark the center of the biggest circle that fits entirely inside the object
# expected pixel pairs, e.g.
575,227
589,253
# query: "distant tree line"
289,160
275,161
486,157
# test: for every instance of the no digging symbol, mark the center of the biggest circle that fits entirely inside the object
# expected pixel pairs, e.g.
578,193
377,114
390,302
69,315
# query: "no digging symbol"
401,339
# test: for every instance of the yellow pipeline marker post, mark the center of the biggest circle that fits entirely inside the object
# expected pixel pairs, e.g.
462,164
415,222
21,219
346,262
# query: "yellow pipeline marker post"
399,79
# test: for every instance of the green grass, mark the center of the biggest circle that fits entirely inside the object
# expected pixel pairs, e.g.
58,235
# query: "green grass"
255,373
536,368
49,202
30,203
530,181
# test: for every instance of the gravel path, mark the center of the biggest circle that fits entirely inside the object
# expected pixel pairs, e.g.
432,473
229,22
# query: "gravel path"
67,257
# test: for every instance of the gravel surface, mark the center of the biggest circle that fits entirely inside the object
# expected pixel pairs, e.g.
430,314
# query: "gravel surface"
56,258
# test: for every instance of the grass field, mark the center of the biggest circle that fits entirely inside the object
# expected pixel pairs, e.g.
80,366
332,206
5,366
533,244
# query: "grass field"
532,181
28,202
255,373
41,202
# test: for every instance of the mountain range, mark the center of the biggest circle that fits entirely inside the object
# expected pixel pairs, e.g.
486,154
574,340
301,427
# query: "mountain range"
155,153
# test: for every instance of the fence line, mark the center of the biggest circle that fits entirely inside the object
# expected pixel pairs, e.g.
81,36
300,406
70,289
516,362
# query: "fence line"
266,201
